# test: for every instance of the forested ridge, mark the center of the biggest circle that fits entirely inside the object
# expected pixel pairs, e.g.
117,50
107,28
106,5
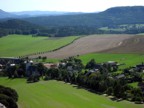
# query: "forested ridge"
79,24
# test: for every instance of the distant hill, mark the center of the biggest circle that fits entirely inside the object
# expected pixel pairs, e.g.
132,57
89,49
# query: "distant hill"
16,26
116,15
125,15
116,20
4,14
43,13
27,14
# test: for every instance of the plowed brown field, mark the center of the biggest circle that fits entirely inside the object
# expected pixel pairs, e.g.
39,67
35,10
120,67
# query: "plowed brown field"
96,43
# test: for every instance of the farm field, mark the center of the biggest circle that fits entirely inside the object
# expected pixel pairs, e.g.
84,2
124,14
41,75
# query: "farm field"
127,59
20,45
131,45
88,44
57,94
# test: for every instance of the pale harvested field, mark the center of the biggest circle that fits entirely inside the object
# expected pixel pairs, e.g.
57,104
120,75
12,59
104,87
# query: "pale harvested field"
88,44
134,44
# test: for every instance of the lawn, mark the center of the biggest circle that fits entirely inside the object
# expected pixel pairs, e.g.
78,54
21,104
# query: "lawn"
20,45
57,94
127,59
135,84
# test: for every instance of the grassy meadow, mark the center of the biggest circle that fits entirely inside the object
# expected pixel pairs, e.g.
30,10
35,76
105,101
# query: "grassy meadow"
127,59
20,45
57,94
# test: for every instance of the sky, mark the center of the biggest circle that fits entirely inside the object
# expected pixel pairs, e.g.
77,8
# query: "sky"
65,5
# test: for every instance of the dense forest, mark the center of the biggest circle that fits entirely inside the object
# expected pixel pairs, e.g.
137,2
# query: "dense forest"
112,16
78,24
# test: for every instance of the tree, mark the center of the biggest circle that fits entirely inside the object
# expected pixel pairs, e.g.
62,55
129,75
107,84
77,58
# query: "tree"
137,95
117,89
9,92
8,97
53,73
44,59
7,101
109,91
91,64
41,69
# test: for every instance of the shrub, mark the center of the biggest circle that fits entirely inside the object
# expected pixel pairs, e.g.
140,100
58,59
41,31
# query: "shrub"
8,101
9,92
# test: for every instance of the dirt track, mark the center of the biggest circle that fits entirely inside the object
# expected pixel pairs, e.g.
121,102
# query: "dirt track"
89,44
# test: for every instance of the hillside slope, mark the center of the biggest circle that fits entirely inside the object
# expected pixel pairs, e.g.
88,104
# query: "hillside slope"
88,44
4,14
57,94
131,45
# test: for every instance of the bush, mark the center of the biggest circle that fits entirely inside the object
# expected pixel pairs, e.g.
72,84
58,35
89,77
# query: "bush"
138,99
109,91
9,92
8,101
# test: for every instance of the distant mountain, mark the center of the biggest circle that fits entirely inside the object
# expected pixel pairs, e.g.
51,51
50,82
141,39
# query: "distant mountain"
43,13
116,20
112,16
26,14
4,14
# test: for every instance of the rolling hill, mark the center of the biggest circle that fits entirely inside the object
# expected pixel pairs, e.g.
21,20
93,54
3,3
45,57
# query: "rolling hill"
88,44
111,16
4,14
131,45
17,26
117,20
43,13
21,45
57,94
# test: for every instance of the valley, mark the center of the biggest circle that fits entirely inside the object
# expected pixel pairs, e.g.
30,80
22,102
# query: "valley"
72,60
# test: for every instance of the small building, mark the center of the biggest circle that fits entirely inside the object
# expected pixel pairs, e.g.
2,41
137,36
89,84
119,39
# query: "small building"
91,71
140,67
112,66
50,65
112,63
120,76
98,66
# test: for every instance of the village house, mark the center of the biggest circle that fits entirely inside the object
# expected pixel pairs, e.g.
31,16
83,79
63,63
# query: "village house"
140,67
91,71
120,76
51,65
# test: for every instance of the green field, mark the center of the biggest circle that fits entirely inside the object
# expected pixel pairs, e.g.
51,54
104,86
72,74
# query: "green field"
57,94
128,59
20,45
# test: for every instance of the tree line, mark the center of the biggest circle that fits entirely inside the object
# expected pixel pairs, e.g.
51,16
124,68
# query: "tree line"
80,24
25,28
101,78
